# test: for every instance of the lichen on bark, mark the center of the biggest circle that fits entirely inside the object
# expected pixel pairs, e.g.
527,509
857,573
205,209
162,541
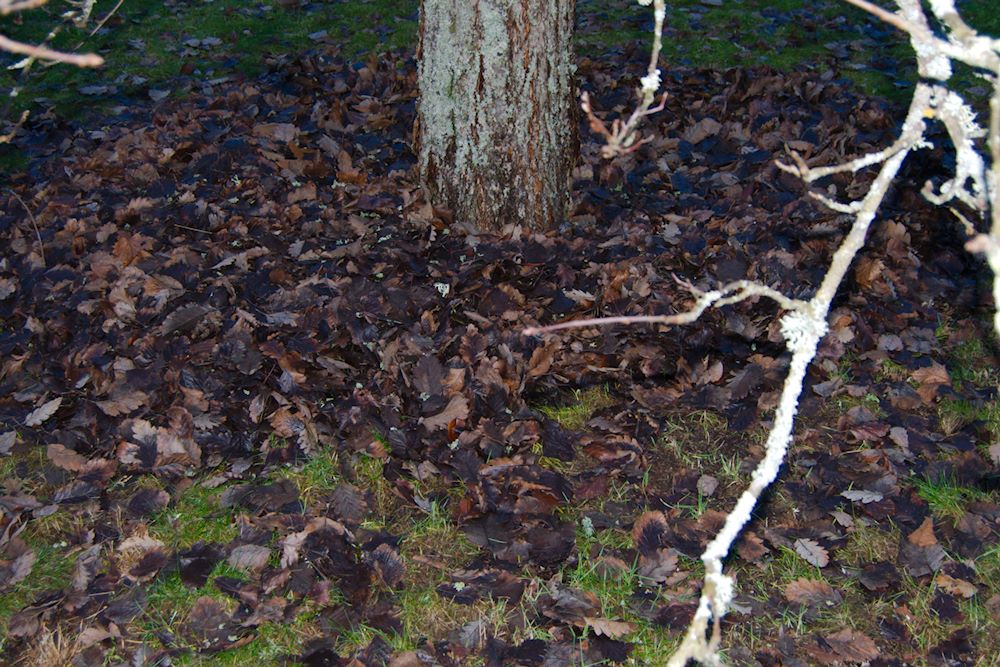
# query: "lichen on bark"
495,130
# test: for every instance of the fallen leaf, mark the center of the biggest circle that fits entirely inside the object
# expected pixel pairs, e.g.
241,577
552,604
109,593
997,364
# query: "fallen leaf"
43,412
955,586
249,557
812,552
862,496
811,592
457,408
852,646
608,628
65,458
924,535
930,378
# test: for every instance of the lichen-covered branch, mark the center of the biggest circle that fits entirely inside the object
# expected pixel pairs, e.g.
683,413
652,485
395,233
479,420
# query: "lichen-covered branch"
622,138
975,184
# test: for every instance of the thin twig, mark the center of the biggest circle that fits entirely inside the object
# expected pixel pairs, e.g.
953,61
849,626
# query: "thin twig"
44,53
11,6
34,223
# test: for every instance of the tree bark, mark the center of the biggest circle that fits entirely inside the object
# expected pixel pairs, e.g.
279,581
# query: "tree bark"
495,119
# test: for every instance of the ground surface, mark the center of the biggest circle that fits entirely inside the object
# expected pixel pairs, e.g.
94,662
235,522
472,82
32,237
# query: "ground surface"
260,402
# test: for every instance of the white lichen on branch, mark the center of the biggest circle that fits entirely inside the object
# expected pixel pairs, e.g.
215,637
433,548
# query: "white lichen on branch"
623,137
976,184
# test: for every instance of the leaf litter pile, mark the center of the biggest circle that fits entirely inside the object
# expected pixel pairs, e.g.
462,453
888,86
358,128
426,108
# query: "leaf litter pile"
210,296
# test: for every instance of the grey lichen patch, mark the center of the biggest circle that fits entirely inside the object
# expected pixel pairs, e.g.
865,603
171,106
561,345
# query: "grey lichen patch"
496,131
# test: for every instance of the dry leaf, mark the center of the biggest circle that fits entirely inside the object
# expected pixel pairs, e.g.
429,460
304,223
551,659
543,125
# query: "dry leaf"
862,496
924,535
123,404
608,628
852,646
955,586
751,548
930,379
457,408
812,552
43,412
249,557
65,458
811,592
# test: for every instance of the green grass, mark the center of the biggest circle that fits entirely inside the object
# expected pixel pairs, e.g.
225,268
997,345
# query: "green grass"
946,497
615,590
144,40
575,413
51,572
170,603
143,43
195,516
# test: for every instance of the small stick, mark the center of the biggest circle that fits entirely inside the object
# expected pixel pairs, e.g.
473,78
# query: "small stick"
34,223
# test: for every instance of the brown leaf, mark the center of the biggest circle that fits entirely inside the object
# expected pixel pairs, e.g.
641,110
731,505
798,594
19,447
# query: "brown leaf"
65,458
305,193
751,548
283,132
920,554
91,636
249,557
43,412
955,586
811,592
867,271
608,628
122,403
924,535
852,646
541,359
930,378
388,565
812,552
17,569
457,408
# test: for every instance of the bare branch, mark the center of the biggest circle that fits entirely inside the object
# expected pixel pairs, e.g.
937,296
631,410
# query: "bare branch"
45,53
733,292
10,6
622,138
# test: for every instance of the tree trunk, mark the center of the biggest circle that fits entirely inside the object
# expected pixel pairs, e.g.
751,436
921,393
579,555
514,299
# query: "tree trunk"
495,127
